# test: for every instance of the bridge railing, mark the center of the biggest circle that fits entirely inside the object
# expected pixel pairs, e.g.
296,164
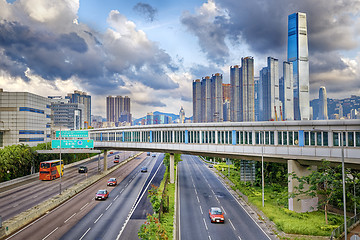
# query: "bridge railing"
340,230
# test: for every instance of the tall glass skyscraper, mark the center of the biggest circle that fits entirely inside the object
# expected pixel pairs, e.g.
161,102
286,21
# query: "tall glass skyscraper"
298,55
288,101
323,113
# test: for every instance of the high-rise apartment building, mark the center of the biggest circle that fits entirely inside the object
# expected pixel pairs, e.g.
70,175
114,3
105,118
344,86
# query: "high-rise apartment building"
242,104
226,92
235,73
117,108
82,98
257,95
288,90
216,98
197,101
323,112
206,110
24,118
208,99
247,106
297,54
110,109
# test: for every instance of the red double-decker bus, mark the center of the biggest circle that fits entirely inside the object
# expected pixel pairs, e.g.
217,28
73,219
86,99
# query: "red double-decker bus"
50,170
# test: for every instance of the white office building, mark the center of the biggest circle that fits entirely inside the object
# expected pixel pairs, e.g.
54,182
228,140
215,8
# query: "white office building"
24,118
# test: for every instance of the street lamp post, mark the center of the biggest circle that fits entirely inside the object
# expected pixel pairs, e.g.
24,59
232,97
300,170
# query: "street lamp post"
343,180
60,161
262,167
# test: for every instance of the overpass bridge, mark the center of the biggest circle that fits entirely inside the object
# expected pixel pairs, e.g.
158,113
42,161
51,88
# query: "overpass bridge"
300,144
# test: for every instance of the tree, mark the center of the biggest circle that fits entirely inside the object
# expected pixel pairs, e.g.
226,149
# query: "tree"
324,182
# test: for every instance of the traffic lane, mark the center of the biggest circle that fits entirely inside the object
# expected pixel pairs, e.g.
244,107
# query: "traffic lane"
192,218
240,221
107,220
19,199
58,221
144,207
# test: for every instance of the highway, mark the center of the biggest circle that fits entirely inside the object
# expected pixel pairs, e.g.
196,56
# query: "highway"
110,218
199,190
20,198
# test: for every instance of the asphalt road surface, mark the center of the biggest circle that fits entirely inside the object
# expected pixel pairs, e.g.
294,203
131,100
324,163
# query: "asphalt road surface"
18,199
199,190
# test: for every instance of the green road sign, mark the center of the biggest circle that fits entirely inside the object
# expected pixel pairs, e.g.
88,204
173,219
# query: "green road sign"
72,134
79,143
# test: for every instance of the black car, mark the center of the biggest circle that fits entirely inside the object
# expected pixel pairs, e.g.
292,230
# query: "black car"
144,169
83,169
117,156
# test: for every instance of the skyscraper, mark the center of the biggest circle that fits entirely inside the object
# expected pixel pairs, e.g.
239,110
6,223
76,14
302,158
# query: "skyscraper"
323,113
110,109
82,98
264,105
116,107
247,108
197,101
235,94
216,98
206,99
297,53
288,102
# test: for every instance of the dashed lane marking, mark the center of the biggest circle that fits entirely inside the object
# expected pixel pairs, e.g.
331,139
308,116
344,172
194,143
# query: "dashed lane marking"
85,233
108,206
232,224
205,224
98,218
83,206
50,233
69,218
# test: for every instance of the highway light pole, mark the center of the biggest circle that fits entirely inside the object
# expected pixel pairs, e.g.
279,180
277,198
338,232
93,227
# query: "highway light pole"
60,160
262,167
343,180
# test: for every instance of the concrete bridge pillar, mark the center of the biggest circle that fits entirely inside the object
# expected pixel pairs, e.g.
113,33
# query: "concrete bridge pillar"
172,168
105,159
301,203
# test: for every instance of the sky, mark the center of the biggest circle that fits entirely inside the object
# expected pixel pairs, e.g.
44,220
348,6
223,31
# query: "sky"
152,50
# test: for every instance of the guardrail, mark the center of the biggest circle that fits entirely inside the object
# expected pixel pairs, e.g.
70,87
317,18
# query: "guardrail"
340,230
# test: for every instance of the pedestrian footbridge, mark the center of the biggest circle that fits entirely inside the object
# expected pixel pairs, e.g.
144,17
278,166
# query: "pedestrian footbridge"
300,144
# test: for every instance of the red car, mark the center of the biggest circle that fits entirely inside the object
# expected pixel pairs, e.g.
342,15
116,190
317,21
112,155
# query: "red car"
102,195
216,215
116,160
112,182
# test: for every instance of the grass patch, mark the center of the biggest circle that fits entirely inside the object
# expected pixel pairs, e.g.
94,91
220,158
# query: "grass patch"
276,207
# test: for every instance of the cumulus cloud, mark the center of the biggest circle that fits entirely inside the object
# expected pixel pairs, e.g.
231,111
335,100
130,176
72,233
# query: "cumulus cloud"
147,10
207,24
45,39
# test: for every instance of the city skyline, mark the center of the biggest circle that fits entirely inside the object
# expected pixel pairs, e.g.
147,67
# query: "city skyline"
152,52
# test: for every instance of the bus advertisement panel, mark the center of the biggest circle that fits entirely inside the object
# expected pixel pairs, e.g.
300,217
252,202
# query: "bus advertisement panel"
50,170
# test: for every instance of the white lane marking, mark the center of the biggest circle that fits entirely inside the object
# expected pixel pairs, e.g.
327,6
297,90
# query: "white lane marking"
201,210
121,191
223,209
85,233
239,237
137,203
69,218
205,224
232,224
195,191
108,206
209,237
213,191
50,233
209,185
98,218
193,185
127,185
116,197
83,206
217,199
16,205
198,199
35,196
